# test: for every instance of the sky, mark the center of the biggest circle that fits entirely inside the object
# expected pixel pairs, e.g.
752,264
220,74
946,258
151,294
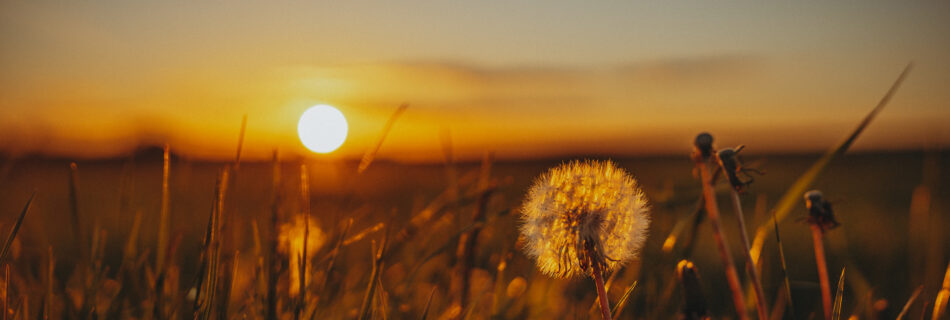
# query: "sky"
522,79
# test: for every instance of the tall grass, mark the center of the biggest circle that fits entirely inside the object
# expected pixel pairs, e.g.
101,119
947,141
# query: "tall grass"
448,248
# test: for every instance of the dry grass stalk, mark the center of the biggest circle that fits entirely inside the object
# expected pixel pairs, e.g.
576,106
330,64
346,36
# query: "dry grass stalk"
162,248
74,210
369,295
273,261
623,301
16,228
910,302
51,267
5,304
425,310
781,254
729,162
305,210
164,215
499,285
206,283
702,157
839,298
240,144
371,153
940,304
468,241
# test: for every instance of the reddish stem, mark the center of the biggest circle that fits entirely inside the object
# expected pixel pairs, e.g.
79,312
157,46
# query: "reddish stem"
601,291
816,235
712,209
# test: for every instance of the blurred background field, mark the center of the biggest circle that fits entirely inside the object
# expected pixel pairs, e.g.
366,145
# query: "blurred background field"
892,207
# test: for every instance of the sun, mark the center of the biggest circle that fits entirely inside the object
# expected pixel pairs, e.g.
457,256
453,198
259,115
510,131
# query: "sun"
322,128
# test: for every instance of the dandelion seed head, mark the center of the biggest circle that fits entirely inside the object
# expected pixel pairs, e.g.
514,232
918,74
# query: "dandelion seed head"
584,213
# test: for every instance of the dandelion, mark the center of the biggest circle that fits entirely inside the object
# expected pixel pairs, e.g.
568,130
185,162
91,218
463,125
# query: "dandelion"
584,218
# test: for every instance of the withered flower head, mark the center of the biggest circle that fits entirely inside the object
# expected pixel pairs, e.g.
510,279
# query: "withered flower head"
703,145
819,211
733,168
584,213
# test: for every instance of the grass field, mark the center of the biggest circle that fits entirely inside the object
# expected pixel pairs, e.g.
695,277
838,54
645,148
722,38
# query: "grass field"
418,213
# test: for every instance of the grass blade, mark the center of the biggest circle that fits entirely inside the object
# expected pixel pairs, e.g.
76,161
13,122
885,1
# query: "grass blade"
792,195
618,308
839,297
910,302
373,280
685,228
163,217
74,210
371,153
50,269
273,259
240,144
781,254
940,304
425,310
16,227
470,310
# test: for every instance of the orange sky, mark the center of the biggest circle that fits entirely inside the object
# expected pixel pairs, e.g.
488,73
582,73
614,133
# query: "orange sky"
523,79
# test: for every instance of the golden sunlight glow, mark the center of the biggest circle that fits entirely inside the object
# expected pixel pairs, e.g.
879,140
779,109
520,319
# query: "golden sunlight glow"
322,128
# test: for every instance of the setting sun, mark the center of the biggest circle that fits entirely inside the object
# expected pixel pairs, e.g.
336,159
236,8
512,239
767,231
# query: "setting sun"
322,128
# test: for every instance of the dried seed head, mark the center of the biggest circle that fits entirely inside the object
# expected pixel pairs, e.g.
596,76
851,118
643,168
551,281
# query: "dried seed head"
732,167
584,213
703,144
813,197
819,211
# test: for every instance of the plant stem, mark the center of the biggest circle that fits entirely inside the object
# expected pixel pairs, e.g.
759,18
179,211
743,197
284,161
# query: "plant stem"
761,307
601,291
273,258
712,209
816,235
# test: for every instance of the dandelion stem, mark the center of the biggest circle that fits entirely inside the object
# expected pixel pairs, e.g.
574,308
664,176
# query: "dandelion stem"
761,307
601,291
816,235
712,209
